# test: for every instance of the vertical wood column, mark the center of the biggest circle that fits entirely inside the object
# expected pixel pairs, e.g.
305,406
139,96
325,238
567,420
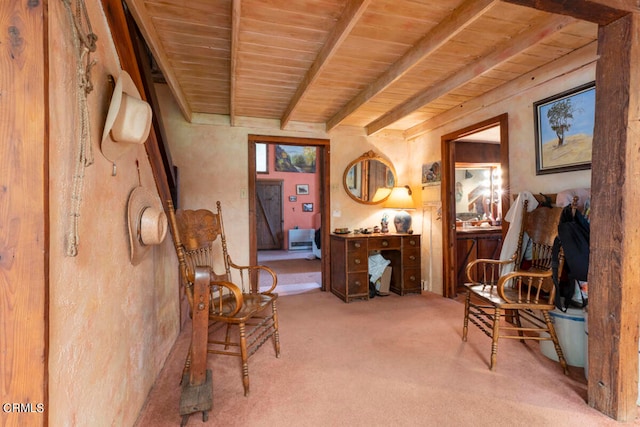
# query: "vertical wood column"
614,271
23,213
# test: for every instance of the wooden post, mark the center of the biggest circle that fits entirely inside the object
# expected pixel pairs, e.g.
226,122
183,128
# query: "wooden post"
24,213
197,385
614,271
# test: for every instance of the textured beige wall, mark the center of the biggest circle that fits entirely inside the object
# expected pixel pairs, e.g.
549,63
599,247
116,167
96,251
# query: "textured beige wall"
111,324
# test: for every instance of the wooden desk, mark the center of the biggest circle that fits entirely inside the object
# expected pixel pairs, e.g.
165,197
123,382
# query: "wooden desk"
350,263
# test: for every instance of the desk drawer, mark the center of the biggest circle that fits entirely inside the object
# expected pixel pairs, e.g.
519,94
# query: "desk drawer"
357,261
410,242
411,257
356,245
411,281
358,285
381,243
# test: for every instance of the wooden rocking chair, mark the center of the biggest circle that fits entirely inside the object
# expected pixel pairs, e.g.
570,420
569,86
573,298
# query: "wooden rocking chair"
200,242
526,293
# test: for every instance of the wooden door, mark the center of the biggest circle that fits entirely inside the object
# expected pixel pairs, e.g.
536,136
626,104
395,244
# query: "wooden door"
269,217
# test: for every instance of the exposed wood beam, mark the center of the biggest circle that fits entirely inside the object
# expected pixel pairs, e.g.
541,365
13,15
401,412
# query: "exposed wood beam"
151,37
614,266
601,12
499,55
557,69
350,16
236,13
459,19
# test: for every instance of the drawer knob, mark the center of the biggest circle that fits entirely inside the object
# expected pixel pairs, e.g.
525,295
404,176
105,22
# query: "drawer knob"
412,257
357,245
412,278
412,242
357,282
356,261
385,243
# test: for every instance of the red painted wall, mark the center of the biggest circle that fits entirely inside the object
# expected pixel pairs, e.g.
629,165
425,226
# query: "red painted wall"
293,214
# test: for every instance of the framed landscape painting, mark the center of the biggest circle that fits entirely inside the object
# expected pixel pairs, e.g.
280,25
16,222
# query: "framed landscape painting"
564,130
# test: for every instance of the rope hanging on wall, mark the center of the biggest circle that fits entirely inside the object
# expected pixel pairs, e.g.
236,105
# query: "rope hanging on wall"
84,42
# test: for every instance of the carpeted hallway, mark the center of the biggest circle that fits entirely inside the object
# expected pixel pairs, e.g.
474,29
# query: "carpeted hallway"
392,361
298,271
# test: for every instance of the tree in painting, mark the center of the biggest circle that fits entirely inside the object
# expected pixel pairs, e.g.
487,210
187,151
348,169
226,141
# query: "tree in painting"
560,117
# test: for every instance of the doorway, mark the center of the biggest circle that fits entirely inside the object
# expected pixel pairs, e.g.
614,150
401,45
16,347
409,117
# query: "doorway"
293,248
450,239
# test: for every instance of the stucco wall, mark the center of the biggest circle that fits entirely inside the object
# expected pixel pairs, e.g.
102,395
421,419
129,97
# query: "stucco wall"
111,324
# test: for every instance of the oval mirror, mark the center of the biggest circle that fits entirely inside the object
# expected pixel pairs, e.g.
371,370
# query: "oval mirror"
369,179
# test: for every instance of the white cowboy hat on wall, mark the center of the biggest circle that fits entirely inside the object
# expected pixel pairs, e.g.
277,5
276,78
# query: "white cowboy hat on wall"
128,120
147,222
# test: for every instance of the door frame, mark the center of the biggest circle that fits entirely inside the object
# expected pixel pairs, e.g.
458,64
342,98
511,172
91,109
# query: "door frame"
449,258
323,163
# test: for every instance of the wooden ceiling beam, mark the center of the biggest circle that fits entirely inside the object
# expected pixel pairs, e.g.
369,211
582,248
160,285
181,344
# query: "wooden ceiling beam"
151,37
602,12
350,16
577,59
457,21
498,56
236,13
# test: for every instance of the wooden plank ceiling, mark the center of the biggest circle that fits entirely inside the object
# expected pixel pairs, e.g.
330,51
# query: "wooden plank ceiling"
378,64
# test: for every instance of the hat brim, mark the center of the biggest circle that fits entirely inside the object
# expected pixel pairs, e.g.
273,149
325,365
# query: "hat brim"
139,199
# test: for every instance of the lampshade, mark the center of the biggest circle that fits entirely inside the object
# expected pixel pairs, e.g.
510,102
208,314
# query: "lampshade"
381,194
400,198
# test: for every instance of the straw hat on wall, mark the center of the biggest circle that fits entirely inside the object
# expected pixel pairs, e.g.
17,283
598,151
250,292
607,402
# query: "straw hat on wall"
147,222
128,120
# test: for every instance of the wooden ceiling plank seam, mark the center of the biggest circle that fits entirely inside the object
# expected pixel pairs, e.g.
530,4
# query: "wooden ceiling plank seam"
236,15
499,55
191,27
147,29
558,69
292,15
294,31
459,19
206,6
348,19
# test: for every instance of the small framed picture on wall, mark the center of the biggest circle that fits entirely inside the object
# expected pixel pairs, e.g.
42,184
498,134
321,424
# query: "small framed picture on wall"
307,207
293,198
302,189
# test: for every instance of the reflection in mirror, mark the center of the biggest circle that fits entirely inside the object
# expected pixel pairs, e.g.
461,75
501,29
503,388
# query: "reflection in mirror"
478,193
369,179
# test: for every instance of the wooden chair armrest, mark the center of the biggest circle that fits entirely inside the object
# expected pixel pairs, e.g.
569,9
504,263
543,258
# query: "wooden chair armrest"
257,268
529,285
493,264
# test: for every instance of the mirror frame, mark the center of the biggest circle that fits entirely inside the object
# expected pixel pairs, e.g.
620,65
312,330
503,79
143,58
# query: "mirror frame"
368,156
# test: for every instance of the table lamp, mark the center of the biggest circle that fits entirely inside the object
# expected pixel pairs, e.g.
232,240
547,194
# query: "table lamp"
401,200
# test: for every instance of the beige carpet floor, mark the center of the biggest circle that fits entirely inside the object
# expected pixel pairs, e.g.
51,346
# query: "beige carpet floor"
393,361
296,272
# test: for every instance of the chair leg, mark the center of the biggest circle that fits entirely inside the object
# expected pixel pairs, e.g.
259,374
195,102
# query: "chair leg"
494,336
227,337
556,343
465,327
187,364
244,356
276,333
516,316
